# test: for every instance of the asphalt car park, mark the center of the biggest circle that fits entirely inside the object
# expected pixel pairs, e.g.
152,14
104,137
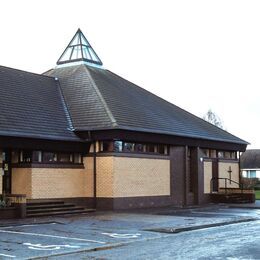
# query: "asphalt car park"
106,231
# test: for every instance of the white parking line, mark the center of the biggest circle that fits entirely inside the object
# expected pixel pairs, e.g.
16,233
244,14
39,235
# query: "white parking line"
52,236
27,225
11,256
212,213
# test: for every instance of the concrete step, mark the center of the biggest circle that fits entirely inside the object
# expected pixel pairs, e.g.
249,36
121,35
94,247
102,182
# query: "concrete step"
233,198
44,202
41,208
37,206
60,209
55,213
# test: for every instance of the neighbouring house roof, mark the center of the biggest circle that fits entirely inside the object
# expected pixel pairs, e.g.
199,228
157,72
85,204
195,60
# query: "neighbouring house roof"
250,159
32,106
98,99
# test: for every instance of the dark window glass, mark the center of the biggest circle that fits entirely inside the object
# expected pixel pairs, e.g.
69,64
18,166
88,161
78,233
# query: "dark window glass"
49,157
26,156
108,146
118,146
233,155
128,147
77,158
220,154
161,149
213,154
150,148
139,148
15,156
227,155
205,152
65,157
37,156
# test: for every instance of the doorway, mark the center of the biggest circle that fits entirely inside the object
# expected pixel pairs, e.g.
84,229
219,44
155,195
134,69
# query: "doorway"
7,171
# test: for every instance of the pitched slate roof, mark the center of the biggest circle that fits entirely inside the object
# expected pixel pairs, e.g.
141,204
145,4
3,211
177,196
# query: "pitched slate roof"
31,105
99,99
250,159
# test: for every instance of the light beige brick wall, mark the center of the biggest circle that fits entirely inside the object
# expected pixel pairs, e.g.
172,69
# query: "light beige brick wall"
223,173
105,177
57,183
89,178
116,177
45,183
207,176
22,181
141,177
132,177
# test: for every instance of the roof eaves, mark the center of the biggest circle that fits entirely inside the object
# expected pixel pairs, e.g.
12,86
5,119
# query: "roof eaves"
139,129
39,136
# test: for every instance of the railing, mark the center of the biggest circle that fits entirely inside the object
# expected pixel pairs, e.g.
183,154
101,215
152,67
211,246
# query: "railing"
240,185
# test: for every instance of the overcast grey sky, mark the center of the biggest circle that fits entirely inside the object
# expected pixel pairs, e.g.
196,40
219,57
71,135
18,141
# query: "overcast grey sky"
198,55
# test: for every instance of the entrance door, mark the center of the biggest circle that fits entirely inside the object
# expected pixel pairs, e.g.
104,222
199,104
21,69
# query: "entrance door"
215,175
7,184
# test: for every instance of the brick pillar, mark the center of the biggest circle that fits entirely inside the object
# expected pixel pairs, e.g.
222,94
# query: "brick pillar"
198,175
178,175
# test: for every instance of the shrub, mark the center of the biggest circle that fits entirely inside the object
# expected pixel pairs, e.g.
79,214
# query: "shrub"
249,183
4,201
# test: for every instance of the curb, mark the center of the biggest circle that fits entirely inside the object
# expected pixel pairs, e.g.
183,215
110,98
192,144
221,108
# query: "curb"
191,228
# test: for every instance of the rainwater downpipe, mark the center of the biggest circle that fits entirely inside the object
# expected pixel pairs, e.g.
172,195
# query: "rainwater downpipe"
95,174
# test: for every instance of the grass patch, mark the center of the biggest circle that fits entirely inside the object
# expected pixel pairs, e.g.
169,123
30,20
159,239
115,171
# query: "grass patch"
257,194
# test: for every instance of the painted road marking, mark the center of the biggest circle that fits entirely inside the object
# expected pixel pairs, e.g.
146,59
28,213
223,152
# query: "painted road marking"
52,236
48,247
115,235
11,256
31,225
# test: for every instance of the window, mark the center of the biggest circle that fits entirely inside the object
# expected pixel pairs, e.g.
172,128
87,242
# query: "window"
252,174
26,156
37,156
161,149
139,148
78,158
132,147
220,154
128,147
49,157
65,157
150,148
15,156
108,146
206,152
233,155
213,153
118,146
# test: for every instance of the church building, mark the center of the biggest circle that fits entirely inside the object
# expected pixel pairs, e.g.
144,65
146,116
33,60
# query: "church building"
82,134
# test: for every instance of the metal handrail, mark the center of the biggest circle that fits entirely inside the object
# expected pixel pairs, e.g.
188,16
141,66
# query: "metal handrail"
240,185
